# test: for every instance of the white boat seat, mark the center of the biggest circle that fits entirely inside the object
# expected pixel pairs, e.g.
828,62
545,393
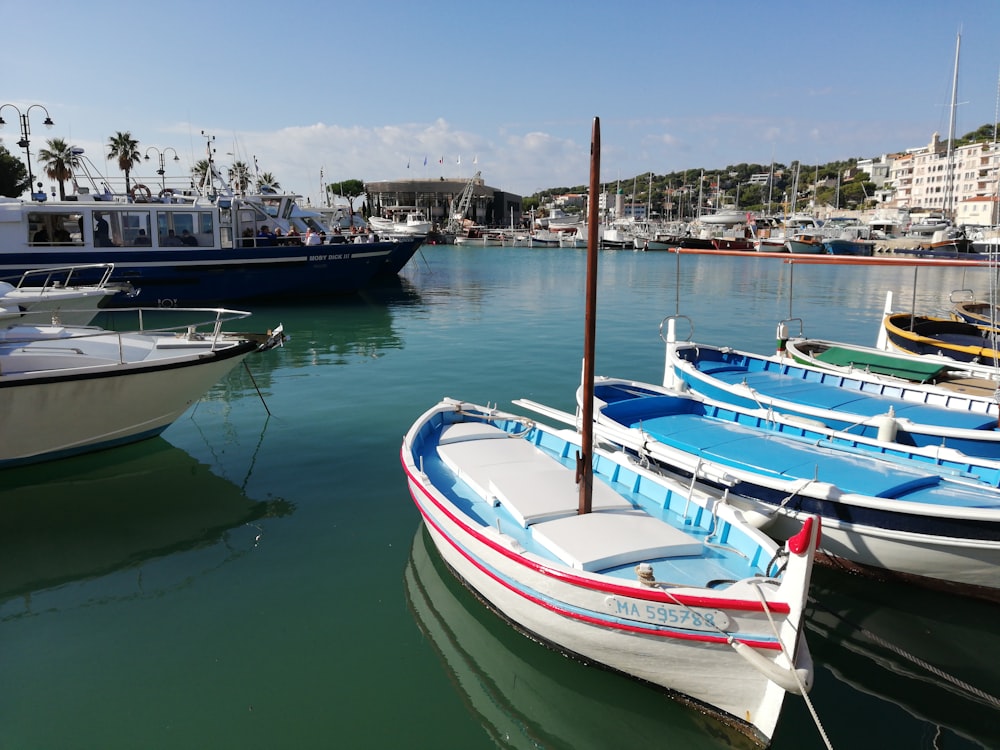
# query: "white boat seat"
597,541
528,483
533,494
475,451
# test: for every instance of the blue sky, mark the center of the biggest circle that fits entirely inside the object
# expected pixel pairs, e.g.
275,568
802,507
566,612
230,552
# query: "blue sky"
360,90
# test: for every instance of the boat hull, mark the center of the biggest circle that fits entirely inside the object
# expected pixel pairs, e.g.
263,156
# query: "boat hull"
179,277
907,516
600,619
921,415
962,341
54,414
840,246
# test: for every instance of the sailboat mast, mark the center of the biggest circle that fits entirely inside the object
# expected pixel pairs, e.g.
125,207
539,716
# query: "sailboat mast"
950,184
585,459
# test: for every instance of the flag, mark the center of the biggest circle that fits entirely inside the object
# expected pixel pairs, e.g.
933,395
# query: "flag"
459,159
441,160
425,161
407,163
475,159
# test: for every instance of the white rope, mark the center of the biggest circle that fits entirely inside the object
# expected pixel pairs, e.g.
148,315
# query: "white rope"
970,689
795,673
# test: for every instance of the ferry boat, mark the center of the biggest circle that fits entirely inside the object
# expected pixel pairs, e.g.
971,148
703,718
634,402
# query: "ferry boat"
187,250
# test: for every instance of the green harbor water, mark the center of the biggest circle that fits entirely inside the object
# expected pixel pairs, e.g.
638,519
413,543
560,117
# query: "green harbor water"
261,580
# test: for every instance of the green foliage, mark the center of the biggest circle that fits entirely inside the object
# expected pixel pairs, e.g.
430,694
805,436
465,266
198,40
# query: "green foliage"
123,148
350,189
268,183
58,161
239,176
347,188
13,175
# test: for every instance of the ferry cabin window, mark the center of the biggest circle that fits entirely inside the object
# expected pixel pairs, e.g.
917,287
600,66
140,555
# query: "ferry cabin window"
54,228
136,228
199,224
271,205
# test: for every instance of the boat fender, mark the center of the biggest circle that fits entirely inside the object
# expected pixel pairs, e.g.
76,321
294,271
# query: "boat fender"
887,426
756,518
790,680
782,337
799,544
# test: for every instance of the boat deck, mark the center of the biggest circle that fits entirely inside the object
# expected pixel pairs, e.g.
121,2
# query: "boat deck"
781,457
885,364
829,396
529,493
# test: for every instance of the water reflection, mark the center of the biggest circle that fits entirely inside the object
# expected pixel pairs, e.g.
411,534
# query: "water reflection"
931,654
527,696
82,519
338,332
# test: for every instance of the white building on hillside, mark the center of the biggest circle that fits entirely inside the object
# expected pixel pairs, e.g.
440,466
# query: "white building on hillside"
963,187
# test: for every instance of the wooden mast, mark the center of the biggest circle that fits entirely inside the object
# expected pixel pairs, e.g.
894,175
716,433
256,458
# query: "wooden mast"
584,459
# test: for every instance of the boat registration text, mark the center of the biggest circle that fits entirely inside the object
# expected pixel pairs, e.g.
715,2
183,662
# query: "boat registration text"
674,615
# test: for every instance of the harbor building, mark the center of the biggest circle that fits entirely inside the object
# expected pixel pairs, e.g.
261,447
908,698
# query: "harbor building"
962,185
437,198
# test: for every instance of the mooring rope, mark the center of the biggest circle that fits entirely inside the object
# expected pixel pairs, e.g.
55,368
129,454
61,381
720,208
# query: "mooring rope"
951,679
795,674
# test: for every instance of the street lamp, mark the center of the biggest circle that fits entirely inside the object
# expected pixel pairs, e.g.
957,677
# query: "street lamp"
162,170
25,132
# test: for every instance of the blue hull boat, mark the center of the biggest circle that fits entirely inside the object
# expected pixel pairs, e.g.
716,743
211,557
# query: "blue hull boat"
188,252
908,413
886,509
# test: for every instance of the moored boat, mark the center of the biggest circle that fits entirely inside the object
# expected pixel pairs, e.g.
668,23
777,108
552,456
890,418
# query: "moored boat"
965,307
520,691
849,246
893,366
911,413
179,251
806,244
903,515
66,390
43,295
928,334
498,495
412,223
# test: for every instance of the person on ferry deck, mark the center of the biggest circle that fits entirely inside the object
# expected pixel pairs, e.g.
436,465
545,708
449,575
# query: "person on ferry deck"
265,237
102,232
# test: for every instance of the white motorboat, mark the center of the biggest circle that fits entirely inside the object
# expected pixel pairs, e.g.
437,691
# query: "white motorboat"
46,294
66,390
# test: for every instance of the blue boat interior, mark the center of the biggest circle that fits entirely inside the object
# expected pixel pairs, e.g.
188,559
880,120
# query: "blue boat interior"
827,390
684,424
721,553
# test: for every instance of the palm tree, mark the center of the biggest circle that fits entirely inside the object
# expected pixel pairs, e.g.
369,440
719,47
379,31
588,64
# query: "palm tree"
59,161
239,177
267,183
125,149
